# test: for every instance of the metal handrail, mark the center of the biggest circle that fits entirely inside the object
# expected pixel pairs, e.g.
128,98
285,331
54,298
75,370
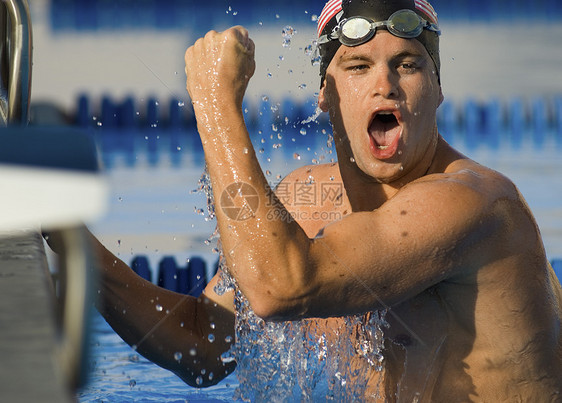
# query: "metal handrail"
16,50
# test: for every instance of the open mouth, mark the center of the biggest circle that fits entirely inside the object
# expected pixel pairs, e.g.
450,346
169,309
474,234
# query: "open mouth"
385,131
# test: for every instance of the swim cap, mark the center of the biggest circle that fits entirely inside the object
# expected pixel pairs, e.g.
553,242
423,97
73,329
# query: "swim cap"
378,10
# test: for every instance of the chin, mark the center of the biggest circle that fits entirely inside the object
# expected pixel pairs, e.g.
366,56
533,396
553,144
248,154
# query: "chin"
383,172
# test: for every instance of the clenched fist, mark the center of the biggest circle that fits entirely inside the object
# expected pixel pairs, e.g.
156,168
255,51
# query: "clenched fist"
219,67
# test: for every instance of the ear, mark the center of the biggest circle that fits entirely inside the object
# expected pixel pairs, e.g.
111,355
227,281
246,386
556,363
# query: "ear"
322,99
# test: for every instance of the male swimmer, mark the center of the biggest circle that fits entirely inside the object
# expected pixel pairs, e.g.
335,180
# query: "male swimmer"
447,245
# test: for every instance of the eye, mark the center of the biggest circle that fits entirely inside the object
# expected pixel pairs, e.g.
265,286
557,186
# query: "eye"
408,67
358,67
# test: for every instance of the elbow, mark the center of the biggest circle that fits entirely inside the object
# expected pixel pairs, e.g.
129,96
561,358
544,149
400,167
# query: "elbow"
275,306
283,291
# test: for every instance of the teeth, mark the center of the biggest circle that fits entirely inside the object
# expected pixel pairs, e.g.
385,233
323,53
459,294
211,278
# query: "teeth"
382,147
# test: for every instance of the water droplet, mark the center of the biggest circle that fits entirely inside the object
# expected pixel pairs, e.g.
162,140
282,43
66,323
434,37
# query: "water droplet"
288,32
245,150
303,131
351,159
212,325
211,337
178,356
312,52
181,103
159,308
296,156
132,383
199,380
211,376
193,352
268,173
228,339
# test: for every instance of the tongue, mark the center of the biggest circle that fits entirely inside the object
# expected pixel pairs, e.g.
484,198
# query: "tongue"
384,133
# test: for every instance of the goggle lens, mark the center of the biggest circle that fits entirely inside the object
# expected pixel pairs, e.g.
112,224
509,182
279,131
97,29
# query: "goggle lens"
356,28
408,24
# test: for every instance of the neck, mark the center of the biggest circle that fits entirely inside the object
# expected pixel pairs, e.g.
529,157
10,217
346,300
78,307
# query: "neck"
366,193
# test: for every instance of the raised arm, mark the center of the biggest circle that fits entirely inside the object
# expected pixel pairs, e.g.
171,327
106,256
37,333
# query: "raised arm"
170,329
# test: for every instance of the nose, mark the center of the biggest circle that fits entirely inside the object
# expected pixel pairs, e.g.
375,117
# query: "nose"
385,83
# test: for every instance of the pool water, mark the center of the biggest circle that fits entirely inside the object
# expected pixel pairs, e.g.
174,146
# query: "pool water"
119,374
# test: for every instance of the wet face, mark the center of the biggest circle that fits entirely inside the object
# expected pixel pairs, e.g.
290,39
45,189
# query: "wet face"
382,97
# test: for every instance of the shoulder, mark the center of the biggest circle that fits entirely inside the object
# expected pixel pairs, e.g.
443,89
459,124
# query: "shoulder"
467,177
314,195
314,173
311,186
478,197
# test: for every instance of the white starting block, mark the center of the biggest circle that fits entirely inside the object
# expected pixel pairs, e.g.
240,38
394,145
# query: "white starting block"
48,176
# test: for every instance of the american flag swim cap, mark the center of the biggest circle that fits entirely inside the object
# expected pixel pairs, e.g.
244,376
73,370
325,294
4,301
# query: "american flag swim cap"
378,10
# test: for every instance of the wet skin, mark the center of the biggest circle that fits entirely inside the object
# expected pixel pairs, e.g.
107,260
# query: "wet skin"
449,245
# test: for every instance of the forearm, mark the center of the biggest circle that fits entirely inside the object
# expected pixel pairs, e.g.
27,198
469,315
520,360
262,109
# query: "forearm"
265,251
170,329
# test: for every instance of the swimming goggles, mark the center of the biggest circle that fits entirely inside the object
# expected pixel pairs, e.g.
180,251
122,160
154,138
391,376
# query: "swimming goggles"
357,30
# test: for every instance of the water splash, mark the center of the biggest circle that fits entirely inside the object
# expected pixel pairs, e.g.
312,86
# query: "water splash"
204,186
314,117
336,359
313,53
287,33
